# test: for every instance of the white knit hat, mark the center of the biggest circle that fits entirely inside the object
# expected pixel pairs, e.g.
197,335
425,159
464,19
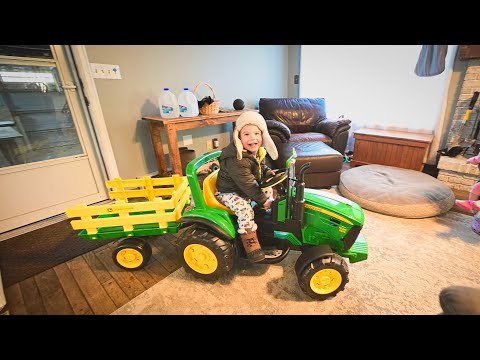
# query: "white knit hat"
254,118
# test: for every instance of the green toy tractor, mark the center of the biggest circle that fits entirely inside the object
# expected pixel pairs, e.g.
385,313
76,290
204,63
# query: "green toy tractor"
325,227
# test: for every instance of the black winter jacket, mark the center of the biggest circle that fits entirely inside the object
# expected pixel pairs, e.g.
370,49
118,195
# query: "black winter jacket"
242,176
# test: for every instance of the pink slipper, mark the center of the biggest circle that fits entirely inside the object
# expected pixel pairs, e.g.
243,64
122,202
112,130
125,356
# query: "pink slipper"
474,160
467,205
475,205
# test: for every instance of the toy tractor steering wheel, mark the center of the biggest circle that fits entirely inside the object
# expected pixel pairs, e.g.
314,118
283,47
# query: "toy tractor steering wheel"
272,180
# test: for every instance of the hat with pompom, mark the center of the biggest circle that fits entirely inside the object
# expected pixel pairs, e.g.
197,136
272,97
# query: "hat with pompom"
254,118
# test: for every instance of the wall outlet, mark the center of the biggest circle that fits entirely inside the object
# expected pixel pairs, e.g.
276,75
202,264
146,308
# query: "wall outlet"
113,72
187,140
209,145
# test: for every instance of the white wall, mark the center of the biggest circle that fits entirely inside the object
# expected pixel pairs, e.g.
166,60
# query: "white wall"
375,85
248,72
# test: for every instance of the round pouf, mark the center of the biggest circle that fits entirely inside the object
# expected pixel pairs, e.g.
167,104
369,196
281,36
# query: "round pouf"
395,191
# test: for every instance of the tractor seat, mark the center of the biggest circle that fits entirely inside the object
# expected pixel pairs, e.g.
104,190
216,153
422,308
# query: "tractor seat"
209,188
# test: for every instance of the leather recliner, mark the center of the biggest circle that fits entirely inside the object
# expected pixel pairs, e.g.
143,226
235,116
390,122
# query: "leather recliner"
299,120
301,123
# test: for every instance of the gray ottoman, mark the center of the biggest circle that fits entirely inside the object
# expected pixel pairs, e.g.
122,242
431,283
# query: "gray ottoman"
325,163
396,192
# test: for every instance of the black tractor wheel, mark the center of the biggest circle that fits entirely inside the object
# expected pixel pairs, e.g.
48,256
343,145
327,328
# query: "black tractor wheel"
324,277
204,255
132,253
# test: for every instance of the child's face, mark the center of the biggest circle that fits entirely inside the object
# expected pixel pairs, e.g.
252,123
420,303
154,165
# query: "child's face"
251,138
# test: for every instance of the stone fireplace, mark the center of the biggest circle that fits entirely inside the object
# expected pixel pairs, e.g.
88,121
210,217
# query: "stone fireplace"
454,171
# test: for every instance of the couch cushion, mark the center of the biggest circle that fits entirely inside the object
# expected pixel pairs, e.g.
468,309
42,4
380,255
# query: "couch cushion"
321,156
395,191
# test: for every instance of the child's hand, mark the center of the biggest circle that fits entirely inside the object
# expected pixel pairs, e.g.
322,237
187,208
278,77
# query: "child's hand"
267,204
271,172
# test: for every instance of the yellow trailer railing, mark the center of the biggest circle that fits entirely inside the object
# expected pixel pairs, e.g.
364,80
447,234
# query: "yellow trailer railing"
165,201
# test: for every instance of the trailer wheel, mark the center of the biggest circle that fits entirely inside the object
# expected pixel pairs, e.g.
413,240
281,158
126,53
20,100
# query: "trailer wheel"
205,255
132,253
324,277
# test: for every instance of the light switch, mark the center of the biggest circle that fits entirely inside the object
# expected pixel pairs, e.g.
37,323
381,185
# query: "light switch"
105,71
98,72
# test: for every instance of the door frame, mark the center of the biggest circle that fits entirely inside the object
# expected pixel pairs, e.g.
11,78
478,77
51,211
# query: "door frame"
79,60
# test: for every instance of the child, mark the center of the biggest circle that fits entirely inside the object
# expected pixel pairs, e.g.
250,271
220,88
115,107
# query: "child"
242,164
471,203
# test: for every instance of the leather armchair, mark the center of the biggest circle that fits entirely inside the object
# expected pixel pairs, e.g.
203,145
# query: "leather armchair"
298,120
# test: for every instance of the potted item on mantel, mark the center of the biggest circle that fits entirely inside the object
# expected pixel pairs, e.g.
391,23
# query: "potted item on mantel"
238,104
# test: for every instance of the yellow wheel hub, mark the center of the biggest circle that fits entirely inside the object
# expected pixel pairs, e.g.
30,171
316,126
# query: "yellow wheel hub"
130,258
325,281
200,258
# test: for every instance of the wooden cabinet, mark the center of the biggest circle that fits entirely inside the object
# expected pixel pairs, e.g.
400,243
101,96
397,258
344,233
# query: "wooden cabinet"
468,52
387,147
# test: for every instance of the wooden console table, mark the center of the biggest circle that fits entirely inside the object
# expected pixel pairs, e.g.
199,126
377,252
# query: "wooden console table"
171,127
387,147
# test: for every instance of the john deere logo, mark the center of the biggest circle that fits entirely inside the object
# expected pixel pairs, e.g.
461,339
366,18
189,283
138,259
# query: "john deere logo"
120,208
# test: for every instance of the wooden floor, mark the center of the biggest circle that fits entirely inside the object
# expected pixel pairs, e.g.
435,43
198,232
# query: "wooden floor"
93,284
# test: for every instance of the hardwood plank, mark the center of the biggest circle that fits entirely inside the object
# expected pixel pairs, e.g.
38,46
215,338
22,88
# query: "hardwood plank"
97,267
110,245
129,284
72,291
144,277
32,298
54,299
173,238
115,292
93,291
112,288
15,303
165,253
156,270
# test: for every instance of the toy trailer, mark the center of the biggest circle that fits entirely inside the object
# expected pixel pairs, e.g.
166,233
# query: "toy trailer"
142,207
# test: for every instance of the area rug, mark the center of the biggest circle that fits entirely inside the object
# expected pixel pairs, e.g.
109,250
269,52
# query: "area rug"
29,254
410,261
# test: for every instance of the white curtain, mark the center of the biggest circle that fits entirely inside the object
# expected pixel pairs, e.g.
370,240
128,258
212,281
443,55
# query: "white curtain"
375,85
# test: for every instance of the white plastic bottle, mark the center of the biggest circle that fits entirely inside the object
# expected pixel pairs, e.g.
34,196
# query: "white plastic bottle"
168,104
187,103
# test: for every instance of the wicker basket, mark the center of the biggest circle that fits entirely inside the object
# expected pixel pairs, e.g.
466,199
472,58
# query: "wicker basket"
208,109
